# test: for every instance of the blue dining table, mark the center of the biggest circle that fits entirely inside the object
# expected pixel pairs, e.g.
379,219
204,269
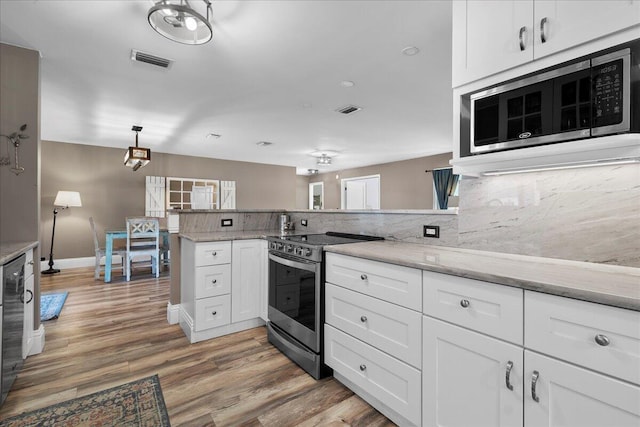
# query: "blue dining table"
112,235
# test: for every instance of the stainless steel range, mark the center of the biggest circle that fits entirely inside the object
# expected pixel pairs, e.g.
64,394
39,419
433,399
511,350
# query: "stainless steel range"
296,295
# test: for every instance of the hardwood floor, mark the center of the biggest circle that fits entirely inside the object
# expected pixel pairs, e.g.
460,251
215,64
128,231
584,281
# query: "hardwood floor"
110,334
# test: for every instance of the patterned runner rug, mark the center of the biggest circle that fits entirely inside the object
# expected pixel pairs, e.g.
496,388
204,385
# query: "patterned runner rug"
138,403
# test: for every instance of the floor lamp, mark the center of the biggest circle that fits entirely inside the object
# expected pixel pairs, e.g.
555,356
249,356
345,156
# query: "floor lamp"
64,200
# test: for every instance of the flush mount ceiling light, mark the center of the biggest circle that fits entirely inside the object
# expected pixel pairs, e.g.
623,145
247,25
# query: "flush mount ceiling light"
178,21
324,160
136,157
312,171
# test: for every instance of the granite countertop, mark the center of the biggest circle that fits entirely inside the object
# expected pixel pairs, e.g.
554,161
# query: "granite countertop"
601,283
214,236
10,250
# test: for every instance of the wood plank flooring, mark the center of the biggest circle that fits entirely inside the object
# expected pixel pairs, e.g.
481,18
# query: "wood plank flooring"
110,334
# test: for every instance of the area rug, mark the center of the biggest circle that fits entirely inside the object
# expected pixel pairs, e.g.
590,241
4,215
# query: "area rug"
138,403
51,304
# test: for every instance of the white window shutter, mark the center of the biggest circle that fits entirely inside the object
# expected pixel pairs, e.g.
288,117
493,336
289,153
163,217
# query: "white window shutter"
227,194
154,197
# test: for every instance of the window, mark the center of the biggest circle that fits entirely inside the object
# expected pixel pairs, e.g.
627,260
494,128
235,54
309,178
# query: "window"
187,193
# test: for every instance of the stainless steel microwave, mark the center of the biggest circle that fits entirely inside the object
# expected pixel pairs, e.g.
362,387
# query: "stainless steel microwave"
590,97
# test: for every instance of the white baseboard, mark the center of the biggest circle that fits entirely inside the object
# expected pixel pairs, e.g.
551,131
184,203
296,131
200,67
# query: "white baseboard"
37,342
65,263
173,313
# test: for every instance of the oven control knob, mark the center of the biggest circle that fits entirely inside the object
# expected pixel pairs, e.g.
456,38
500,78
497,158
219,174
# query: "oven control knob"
308,252
289,248
298,251
279,246
272,245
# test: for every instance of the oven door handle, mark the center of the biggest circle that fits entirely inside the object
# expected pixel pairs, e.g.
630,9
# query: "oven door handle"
302,265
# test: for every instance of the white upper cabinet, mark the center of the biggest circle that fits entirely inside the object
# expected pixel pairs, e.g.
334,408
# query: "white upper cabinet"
493,36
487,37
562,24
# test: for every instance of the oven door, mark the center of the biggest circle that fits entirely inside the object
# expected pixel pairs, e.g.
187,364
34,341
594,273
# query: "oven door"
295,298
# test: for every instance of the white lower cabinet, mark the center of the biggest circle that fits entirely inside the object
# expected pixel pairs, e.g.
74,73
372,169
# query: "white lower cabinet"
375,373
469,379
562,394
221,286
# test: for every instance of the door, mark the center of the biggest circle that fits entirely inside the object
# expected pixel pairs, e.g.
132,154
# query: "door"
361,192
489,37
466,378
568,395
246,280
563,24
355,193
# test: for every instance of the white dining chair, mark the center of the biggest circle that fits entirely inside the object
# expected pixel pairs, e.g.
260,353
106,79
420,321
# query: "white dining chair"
101,252
143,239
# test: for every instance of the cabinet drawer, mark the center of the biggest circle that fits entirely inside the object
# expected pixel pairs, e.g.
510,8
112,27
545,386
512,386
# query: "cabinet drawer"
387,379
484,307
213,280
599,337
391,328
212,312
213,253
28,264
389,282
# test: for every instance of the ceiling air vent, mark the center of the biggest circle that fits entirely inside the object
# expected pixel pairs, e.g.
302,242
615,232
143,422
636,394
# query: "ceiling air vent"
349,109
147,58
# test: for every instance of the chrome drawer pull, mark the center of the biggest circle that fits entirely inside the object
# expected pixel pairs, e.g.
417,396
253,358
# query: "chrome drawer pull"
508,375
521,36
363,367
30,263
213,313
363,276
214,253
543,33
465,303
363,319
214,281
534,381
602,340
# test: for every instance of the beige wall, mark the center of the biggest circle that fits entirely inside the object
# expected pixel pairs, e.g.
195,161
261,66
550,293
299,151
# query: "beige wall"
110,191
403,184
20,194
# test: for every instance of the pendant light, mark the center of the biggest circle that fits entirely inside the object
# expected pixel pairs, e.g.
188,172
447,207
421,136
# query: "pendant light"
178,21
136,157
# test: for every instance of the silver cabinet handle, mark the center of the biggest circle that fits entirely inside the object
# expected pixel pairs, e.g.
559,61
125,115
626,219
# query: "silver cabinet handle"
507,378
213,313
30,296
521,37
363,319
464,303
534,381
543,27
30,263
363,276
214,281
602,340
363,367
214,253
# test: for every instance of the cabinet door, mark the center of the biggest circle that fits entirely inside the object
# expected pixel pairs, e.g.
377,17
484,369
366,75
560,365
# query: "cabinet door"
572,396
27,330
564,23
465,377
246,280
486,37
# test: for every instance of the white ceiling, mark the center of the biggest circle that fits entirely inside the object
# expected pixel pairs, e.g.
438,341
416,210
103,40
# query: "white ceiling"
271,73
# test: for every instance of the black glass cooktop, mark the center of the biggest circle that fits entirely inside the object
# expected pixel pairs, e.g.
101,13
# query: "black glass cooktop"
330,238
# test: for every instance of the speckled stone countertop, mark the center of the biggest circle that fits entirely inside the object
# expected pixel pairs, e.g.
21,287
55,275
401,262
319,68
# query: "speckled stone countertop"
605,284
215,236
10,250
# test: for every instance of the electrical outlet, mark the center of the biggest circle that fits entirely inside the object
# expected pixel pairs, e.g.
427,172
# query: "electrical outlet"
431,231
227,222
303,222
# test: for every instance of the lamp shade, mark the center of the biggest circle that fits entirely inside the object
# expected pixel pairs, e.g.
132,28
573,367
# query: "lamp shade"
68,198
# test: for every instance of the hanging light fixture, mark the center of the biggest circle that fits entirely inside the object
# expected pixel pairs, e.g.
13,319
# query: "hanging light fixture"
136,157
178,21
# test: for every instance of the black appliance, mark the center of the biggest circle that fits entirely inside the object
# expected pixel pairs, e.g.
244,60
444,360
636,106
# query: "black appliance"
592,96
296,296
12,310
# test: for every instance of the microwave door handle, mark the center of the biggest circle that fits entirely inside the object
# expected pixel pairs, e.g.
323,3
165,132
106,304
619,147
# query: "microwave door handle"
294,264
